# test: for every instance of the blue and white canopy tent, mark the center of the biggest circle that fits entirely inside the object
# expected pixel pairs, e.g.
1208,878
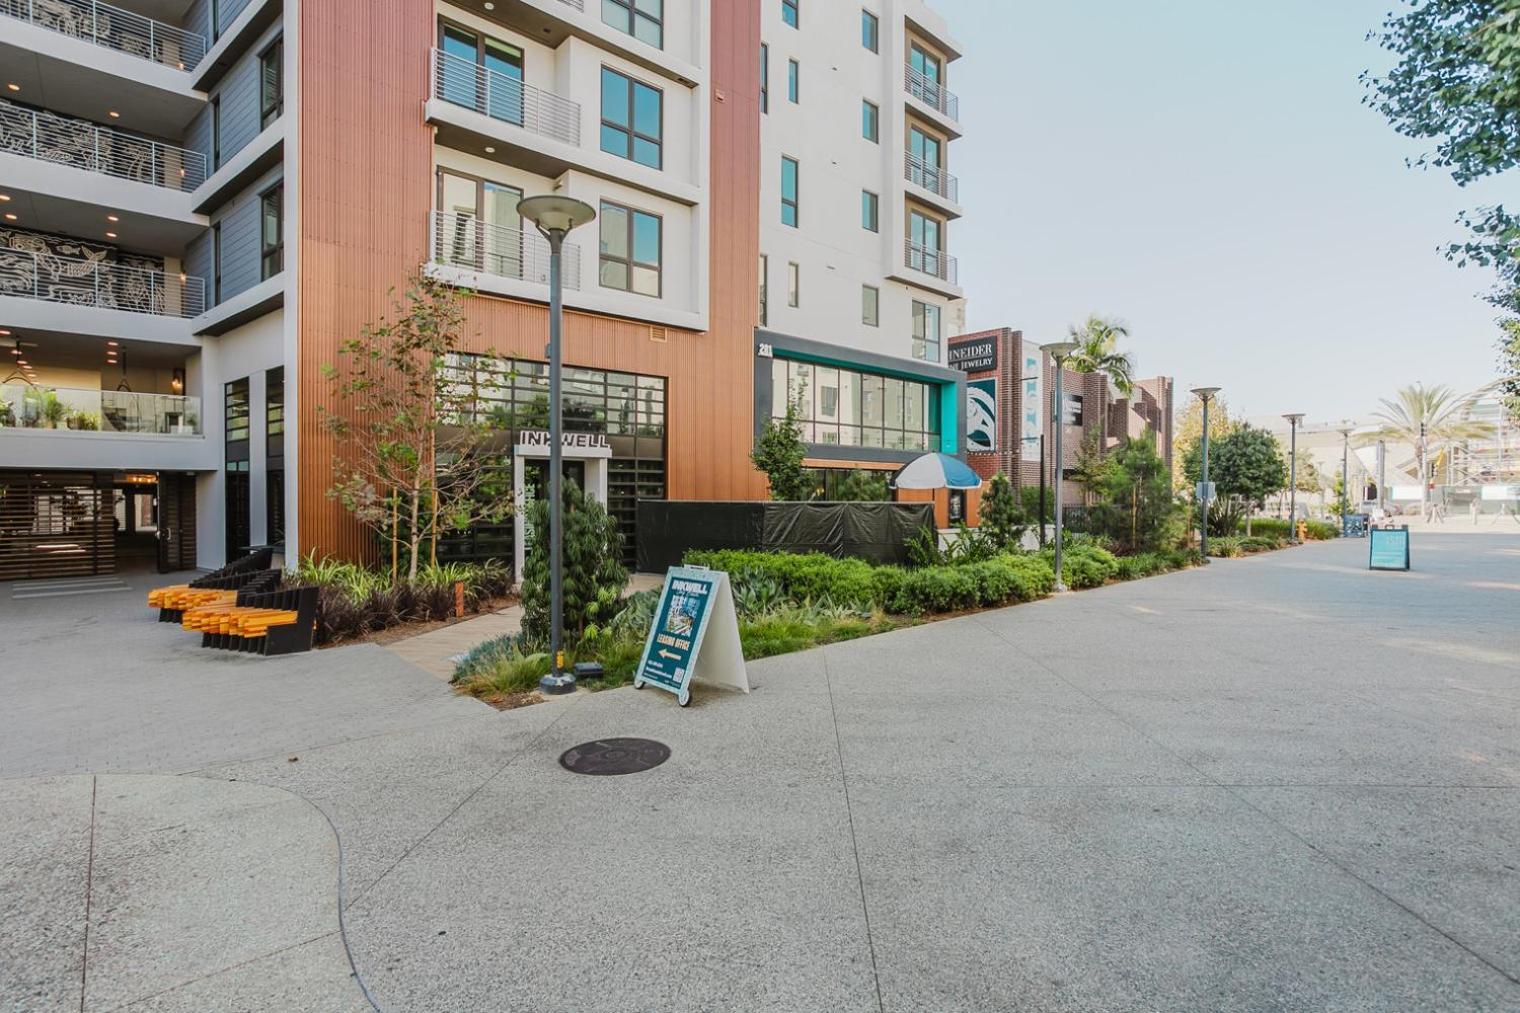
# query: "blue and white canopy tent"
936,471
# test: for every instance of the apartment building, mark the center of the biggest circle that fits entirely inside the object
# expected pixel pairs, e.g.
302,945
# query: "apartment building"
859,286
1010,384
203,199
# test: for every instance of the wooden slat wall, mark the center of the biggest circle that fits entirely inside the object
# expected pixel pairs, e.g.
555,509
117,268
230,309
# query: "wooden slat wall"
365,191
54,527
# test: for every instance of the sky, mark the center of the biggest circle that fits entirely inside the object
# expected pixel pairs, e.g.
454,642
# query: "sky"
1205,171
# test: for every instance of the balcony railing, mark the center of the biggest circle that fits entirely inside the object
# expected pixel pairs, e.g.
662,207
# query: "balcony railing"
83,145
466,242
931,178
465,83
114,28
26,274
935,262
931,93
26,406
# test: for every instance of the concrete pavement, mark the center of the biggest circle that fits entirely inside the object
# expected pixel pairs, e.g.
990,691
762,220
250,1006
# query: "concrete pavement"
1282,782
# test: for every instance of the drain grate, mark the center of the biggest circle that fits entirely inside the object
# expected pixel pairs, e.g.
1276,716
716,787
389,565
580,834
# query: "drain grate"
615,756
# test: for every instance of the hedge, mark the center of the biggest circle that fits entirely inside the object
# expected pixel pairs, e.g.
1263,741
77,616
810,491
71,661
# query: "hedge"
805,577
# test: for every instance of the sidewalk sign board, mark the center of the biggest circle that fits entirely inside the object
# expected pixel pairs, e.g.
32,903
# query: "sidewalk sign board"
1388,549
694,637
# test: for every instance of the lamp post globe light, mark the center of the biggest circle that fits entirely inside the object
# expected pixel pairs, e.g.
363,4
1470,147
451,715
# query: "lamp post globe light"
1060,351
1345,431
555,216
1205,394
1294,420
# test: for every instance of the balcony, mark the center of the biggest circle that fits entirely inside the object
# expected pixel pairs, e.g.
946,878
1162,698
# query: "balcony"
464,83
932,94
935,263
932,178
83,145
24,406
465,243
26,274
103,25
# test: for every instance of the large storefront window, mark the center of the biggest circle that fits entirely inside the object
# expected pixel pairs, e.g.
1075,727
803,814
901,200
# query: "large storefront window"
239,524
627,408
856,409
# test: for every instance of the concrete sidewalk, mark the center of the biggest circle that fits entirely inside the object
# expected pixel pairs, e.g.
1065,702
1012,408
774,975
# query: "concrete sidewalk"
1281,782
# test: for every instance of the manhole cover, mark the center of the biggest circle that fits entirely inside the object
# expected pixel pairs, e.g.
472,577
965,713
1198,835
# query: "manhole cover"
615,756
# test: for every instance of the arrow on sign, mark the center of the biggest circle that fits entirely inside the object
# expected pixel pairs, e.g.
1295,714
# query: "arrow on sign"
669,656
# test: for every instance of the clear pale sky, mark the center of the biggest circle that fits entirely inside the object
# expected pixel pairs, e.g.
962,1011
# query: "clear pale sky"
1205,170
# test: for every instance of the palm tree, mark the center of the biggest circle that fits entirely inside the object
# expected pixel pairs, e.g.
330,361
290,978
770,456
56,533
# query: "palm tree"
1098,352
1428,418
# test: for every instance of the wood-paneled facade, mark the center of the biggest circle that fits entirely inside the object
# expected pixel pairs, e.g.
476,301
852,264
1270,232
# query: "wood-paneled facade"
365,190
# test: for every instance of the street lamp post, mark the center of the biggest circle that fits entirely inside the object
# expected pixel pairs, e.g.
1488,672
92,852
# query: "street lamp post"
554,217
1293,422
1205,394
1345,432
1060,351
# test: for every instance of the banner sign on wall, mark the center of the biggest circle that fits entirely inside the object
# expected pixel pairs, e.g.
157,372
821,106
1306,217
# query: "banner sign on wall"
1388,549
974,355
1033,396
1071,413
694,636
981,416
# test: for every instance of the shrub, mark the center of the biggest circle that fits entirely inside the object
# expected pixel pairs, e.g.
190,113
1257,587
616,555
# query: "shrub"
805,577
1225,546
1145,564
1084,565
1268,527
353,601
935,589
1035,575
1003,519
1320,531
594,577
1259,543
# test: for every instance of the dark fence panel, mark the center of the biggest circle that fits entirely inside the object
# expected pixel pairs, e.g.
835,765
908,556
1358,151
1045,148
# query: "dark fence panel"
877,532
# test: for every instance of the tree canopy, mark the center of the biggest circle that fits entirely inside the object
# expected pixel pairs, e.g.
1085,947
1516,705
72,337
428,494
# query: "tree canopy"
1246,462
1097,351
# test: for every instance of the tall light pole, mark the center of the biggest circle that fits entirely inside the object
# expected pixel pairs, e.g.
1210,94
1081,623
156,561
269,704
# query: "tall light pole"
1205,394
1345,432
1060,351
1293,422
554,216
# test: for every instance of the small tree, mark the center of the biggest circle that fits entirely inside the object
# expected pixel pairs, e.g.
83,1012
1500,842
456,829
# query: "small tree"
779,453
1090,464
1136,507
1246,463
594,575
414,456
1003,518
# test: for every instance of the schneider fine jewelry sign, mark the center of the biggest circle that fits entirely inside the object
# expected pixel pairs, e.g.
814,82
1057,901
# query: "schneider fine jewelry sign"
694,637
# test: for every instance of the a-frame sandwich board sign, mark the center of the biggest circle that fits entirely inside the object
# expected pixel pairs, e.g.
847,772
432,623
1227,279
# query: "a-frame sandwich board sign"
694,637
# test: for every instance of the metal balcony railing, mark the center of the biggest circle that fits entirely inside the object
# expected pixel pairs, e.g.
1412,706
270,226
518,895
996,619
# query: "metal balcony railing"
114,28
935,262
931,93
466,242
27,406
465,83
27,274
579,5
83,145
931,177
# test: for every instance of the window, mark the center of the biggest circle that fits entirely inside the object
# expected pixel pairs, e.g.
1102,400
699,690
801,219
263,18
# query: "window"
870,305
481,73
271,231
271,83
478,227
630,250
216,264
632,115
925,154
789,11
793,71
870,121
789,206
870,211
216,132
764,288
926,244
765,78
643,19
793,285
870,31
927,65
925,331
850,408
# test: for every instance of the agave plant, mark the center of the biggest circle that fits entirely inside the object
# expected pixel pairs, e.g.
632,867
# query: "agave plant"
1430,419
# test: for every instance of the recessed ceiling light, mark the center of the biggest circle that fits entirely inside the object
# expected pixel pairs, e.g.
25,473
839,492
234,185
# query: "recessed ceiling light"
4,197
112,218
111,343
110,235
4,332
21,362
490,150
490,7
114,114
9,217
13,86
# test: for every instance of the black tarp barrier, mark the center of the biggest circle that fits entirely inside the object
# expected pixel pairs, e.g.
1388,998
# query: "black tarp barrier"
876,532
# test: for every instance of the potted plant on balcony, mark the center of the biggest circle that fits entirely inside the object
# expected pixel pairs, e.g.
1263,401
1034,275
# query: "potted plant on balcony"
53,410
85,422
